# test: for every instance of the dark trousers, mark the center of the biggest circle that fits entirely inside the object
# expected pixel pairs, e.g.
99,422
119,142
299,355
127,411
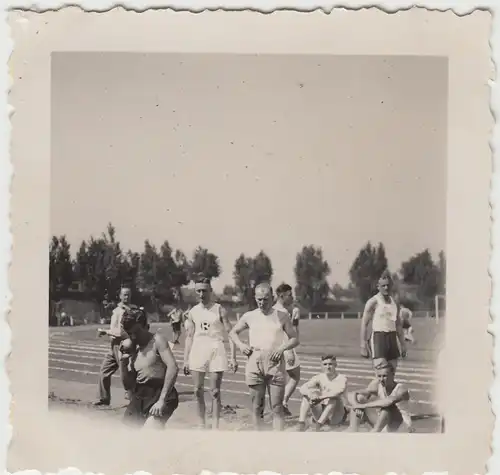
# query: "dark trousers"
109,367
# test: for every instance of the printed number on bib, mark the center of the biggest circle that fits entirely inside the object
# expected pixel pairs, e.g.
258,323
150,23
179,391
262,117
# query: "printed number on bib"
205,326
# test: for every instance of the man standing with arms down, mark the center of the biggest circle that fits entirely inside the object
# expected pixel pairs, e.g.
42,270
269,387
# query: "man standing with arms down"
383,313
206,326
271,333
284,302
112,361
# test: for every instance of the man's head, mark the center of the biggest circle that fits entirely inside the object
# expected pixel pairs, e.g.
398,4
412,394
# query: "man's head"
285,294
264,296
384,372
328,363
203,289
135,324
385,284
125,294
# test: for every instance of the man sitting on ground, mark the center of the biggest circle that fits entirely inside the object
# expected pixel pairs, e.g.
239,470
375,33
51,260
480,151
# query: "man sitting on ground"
325,395
383,404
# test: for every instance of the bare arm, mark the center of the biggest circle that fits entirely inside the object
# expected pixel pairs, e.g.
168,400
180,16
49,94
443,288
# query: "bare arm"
403,395
293,340
367,318
370,390
400,332
172,369
227,325
308,386
189,338
241,325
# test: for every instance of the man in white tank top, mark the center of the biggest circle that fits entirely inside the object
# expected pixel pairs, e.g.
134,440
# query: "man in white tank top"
270,335
207,326
384,404
283,303
382,312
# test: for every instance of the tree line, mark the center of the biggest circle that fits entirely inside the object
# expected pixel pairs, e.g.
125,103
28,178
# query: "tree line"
157,275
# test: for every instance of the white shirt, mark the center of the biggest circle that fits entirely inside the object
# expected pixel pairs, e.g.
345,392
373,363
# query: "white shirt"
207,322
265,332
384,315
325,385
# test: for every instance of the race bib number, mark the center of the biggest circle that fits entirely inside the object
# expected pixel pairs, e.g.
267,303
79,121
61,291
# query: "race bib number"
205,326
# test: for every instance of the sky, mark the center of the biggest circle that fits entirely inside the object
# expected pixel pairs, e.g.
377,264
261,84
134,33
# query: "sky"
239,153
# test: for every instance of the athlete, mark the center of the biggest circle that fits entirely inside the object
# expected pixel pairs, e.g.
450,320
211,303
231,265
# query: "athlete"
283,303
383,313
383,404
325,395
271,334
206,326
152,371
175,316
406,316
112,361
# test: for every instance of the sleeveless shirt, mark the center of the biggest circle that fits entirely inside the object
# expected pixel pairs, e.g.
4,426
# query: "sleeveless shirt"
385,315
207,322
403,405
265,332
148,363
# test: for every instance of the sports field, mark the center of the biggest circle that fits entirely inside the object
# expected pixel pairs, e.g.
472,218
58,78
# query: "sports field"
75,354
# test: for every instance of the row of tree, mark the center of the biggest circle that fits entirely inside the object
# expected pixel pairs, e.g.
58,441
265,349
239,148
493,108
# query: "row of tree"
101,267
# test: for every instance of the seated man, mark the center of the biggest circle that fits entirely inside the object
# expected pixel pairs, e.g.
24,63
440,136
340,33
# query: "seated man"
324,395
383,404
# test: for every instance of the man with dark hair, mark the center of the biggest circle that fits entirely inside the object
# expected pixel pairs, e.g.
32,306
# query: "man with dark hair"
382,312
283,304
383,404
325,395
207,325
152,373
112,361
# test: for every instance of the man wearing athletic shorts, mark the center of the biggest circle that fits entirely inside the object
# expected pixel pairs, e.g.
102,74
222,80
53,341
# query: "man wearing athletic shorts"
271,333
383,313
383,404
153,371
206,327
283,303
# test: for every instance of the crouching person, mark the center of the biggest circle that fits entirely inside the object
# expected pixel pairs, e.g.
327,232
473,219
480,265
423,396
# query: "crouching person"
324,396
383,404
153,370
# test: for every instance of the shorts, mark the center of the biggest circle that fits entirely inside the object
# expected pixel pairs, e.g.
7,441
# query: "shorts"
295,322
339,415
208,357
406,324
296,363
176,326
261,370
385,345
142,399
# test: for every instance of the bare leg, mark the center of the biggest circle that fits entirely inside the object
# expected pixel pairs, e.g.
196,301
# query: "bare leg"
276,393
327,411
215,384
381,422
305,407
199,392
291,384
257,394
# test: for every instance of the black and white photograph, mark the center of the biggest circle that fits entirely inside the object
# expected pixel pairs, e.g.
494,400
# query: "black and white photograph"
249,242
230,241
